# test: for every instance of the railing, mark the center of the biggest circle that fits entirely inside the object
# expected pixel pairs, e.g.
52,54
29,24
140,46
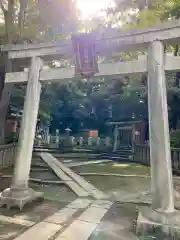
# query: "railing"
7,155
175,156
142,154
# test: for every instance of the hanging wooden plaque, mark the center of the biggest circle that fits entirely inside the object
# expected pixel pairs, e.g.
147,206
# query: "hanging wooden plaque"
85,55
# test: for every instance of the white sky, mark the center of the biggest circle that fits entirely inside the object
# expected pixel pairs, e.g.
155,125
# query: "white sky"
89,7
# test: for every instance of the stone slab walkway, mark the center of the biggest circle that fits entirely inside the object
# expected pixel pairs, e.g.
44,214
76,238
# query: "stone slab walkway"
42,230
86,223
48,158
66,213
85,219
60,168
60,225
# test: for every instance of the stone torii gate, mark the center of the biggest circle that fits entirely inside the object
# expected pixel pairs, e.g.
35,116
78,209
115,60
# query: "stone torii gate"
156,63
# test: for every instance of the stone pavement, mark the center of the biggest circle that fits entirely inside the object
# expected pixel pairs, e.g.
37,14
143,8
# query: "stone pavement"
85,187
80,219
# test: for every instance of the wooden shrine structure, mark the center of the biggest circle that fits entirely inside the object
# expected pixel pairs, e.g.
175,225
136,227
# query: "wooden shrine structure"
125,133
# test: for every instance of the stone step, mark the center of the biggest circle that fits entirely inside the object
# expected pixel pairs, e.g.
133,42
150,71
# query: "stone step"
118,154
119,158
125,148
124,151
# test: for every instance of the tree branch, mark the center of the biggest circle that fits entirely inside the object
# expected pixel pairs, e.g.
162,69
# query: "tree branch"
2,7
23,4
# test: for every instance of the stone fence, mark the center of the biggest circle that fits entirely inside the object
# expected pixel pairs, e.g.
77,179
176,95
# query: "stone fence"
90,142
142,154
7,155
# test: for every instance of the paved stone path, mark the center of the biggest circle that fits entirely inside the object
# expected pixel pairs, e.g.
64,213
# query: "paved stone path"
65,173
42,230
89,215
80,219
48,158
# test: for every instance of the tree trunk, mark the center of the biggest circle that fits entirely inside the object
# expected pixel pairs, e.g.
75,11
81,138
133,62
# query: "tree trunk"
6,94
6,89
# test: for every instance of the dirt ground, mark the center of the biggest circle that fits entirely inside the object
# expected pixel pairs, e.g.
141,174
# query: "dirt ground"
114,167
125,192
9,231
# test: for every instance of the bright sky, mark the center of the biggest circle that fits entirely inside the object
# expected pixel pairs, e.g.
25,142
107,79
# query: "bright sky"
89,7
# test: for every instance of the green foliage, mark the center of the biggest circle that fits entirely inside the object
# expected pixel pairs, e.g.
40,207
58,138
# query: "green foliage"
11,138
30,21
175,139
87,104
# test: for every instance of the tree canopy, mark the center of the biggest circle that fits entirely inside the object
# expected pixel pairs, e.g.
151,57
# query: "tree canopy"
91,104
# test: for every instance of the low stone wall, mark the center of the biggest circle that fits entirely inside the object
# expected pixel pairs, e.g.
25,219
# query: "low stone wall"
80,142
7,155
142,154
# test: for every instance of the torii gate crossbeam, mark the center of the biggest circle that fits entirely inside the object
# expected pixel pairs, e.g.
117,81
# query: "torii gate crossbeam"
106,70
168,32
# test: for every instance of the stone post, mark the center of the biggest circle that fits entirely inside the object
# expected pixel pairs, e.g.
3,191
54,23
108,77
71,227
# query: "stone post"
81,141
133,137
162,215
160,154
89,141
72,141
98,141
19,193
57,138
107,142
48,139
115,138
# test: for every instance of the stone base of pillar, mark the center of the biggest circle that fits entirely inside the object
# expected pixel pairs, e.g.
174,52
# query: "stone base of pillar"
158,224
18,197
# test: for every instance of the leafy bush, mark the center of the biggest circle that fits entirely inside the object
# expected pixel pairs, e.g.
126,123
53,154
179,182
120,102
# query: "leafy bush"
11,137
175,138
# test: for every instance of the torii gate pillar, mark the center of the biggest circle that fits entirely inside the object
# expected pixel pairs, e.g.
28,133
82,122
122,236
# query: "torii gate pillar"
19,193
162,214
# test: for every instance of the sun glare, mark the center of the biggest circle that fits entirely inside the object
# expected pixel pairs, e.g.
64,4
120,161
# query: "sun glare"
91,7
